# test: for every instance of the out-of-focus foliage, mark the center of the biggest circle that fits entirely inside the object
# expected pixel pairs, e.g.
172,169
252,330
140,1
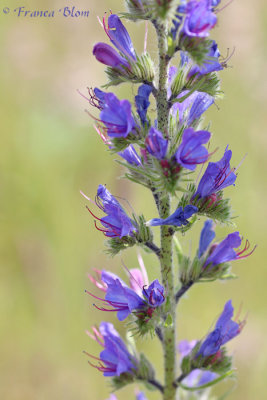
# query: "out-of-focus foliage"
49,152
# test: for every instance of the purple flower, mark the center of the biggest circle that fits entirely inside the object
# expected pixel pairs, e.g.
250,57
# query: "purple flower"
105,54
154,294
217,176
206,237
142,101
119,36
178,218
191,152
197,103
124,300
117,116
156,145
116,223
199,18
211,64
225,330
130,155
115,359
224,251
197,377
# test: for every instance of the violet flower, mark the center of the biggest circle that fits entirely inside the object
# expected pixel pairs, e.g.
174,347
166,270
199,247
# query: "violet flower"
117,116
191,152
116,223
199,19
130,155
192,107
197,377
124,300
156,145
217,176
224,251
142,101
178,218
225,330
115,359
105,54
119,36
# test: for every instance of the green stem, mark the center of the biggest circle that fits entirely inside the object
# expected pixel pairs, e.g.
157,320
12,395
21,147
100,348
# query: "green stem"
169,331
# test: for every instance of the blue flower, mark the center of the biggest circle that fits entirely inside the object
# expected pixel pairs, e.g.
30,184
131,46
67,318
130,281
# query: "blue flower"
117,116
130,155
105,54
197,377
178,218
206,237
154,294
156,145
142,101
217,176
225,330
119,36
197,103
124,300
199,19
115,359
211,64
224,251
116,223
191,152
141,396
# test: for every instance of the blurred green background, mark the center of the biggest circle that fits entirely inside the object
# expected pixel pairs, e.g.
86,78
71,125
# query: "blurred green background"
48,244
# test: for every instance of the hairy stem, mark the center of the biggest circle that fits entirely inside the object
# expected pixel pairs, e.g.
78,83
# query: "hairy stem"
169,334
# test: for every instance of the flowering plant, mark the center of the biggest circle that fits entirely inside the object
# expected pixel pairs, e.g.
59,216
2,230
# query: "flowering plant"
162,155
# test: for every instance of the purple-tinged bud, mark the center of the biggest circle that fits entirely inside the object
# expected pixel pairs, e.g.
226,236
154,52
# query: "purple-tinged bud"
142,101
116,223
130,155
105,54
224,251
191,152
115,359
119,36
217,176
225,330
199,19
178,218
117,116
156,145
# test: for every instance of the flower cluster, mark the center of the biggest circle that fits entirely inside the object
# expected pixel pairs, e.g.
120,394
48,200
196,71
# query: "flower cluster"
161,152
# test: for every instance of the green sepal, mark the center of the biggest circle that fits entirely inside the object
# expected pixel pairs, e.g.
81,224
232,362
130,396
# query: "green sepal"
145,371
116,245
140,71
118,382
219,211
197,47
